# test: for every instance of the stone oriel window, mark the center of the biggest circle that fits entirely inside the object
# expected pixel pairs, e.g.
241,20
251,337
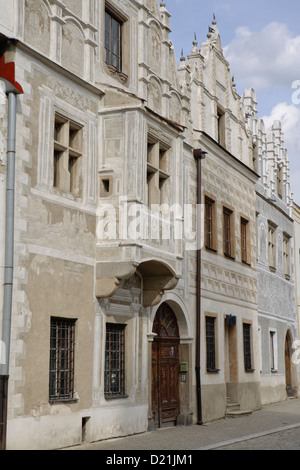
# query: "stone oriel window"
61,369
67,155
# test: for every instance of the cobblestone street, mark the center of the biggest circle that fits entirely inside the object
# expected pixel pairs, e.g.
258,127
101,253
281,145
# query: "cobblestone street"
284,440
274,427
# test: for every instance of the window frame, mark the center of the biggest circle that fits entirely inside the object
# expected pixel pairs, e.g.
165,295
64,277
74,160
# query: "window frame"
280,181
68,148
273,350
247,347
59,325
286,256
245,241
158,171
272,229
109,371
211,343
210,231
113,19
228,232
221,127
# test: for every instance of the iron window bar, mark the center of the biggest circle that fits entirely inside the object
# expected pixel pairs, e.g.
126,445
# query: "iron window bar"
61,370
114,379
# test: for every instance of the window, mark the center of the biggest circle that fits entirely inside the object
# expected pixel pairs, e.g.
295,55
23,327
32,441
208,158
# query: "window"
210,237
157,172
273,350
279,182
255,157
247,347
210,345
113,45
67,153
114,380
221,127
228,233
272,246
286,256
245,246
61,370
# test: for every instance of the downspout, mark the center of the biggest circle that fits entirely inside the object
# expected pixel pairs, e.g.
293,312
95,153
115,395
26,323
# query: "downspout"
199,156
7,73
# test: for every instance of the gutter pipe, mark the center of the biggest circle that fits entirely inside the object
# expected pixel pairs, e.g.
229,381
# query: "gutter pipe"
12,88
199,156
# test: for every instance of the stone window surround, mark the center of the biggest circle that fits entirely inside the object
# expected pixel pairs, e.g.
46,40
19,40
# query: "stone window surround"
272,229
286,256
250,352
66,173
214,228
122,75
273,349
157,169
228,210
216,342
244,221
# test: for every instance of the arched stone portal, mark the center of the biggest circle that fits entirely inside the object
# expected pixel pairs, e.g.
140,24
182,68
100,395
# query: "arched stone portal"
165,367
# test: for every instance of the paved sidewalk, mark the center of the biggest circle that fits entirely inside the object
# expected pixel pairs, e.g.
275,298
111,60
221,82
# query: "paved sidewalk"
231,433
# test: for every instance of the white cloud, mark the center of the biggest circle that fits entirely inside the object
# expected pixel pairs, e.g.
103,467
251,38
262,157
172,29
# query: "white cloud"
265,59
289,116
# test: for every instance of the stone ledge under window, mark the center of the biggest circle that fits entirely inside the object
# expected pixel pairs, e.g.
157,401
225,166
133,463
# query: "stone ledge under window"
213,370
229,256
63,400
115,397
121,76
209,248
246,263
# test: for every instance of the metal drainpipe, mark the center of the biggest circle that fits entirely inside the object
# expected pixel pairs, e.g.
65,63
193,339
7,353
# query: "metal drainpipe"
199,156
9,262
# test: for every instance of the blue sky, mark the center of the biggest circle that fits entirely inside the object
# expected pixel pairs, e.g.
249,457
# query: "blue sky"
261,41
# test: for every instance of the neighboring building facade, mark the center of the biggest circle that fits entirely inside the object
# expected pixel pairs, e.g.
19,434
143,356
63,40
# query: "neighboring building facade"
275,267
104,312
229,282
296,217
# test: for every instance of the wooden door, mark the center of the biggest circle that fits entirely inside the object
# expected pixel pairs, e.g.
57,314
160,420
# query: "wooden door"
165,368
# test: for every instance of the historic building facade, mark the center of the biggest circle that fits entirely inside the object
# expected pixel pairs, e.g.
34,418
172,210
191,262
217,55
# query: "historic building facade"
277,314
107,328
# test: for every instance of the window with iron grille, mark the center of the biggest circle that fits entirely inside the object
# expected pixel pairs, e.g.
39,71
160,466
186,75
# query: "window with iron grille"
247,346
114,380
113,50
210,344
61,370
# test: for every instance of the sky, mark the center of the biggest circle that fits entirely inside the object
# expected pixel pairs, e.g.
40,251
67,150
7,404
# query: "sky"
261,41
